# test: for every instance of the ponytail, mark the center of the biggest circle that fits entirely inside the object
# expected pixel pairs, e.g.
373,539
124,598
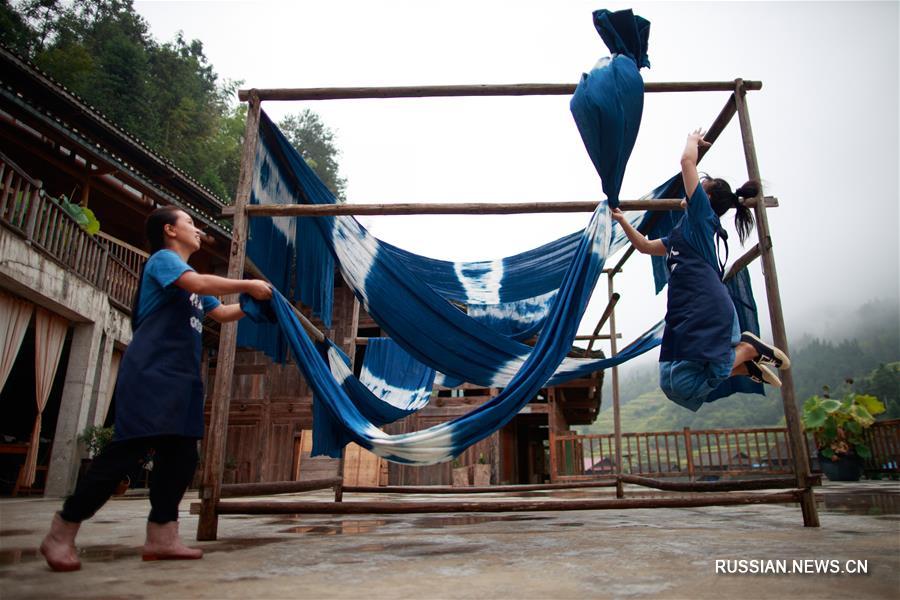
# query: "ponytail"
722,199
743,218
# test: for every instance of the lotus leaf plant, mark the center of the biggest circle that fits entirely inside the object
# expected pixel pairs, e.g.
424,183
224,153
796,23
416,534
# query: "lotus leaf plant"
838,426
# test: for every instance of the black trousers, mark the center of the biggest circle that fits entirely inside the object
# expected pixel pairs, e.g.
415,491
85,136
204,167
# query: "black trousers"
174,462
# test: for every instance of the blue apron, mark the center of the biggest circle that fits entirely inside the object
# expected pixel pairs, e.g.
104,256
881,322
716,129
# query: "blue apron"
159,390
700,313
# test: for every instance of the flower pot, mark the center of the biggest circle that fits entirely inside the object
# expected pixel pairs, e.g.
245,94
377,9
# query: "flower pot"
849,467
123,486
461,477
481,475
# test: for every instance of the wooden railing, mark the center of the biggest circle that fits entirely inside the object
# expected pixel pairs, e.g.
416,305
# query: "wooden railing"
101,260
687,453
884,441
704,453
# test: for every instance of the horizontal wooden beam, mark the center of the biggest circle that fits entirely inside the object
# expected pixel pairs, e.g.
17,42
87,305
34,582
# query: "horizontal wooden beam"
275,507
457,208
488,489
233,490
762,483
443,91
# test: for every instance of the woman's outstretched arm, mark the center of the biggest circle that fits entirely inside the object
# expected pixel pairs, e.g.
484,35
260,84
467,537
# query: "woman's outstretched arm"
213,285
689,159
641,243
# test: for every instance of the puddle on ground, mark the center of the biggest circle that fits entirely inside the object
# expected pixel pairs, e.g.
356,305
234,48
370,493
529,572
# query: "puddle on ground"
107,553
337,528
418,549
438,522
229,544
12,532
859,503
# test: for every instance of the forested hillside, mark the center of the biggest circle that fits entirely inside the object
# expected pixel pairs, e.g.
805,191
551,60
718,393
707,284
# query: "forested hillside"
870,358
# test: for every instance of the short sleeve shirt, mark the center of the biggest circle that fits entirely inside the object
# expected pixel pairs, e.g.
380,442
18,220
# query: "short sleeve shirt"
699,226
163,268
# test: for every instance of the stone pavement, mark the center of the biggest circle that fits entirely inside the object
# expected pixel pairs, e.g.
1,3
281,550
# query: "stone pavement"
658,553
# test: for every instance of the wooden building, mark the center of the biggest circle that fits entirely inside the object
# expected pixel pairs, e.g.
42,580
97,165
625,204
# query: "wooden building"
54,146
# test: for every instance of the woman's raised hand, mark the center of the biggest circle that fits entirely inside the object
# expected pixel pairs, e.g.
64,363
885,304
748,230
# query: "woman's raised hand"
697,136
617,215
259,289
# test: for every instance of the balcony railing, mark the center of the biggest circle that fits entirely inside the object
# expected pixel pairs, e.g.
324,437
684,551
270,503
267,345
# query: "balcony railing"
102,261
704,453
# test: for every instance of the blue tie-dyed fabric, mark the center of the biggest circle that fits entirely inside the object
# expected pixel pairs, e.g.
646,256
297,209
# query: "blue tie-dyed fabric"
609,101
433,322
426,325
391,386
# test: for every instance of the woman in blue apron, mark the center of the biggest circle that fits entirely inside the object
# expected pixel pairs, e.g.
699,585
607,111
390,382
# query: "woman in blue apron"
702,344
159,392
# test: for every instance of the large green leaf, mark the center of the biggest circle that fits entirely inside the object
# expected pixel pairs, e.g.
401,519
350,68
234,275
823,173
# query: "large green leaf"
814,419
830,405
871,404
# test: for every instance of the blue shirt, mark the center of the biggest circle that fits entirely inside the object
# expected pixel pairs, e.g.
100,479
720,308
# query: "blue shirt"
699,226
163,268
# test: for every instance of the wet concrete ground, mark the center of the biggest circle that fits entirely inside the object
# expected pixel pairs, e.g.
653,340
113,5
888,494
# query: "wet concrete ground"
659,553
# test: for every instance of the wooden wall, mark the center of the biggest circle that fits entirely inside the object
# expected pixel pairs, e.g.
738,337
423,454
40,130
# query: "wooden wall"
271,405
440,411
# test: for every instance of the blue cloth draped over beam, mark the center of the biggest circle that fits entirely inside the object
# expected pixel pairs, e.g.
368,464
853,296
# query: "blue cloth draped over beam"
609,101
442,442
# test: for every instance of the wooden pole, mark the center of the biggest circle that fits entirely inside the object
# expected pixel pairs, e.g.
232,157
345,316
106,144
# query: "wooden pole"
277,507
611,305
443,91
489,489
455,208
773,295
617,422
214,446
748,257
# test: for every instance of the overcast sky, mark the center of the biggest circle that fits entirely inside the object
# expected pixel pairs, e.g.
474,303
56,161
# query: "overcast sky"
825,123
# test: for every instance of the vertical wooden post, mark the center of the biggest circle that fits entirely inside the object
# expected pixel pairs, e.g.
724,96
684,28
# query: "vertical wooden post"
551,428
617,423
214,446
33,208
689,452
773,296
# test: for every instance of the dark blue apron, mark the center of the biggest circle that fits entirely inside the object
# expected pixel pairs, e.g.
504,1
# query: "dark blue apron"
700,313
159,390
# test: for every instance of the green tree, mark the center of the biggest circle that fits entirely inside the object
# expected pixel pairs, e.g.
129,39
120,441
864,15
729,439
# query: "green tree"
315,142
167,95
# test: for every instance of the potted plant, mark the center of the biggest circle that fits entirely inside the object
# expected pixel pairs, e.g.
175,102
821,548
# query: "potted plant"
481,472
95,439
230,474
460,474
838,427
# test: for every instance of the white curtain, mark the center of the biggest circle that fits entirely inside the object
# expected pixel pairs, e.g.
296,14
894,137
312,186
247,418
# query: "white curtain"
49,336
14,317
